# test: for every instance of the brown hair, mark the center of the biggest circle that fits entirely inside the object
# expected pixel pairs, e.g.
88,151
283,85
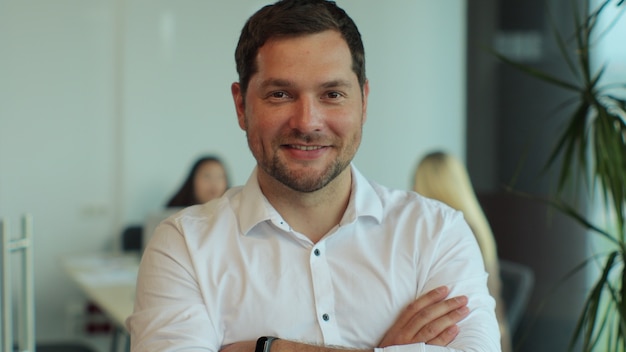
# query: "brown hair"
291,18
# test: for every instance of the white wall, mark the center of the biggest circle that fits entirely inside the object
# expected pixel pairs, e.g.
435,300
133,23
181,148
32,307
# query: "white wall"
56,136
105,104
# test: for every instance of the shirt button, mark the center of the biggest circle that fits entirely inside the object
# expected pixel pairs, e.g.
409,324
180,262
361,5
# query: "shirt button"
316,252
326,317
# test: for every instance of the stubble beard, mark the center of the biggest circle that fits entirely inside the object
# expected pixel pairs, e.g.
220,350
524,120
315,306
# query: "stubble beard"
305,181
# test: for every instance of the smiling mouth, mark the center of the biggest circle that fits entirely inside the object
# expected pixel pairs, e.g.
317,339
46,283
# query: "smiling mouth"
305,147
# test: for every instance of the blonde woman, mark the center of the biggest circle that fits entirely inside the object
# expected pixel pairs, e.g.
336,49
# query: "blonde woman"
443,177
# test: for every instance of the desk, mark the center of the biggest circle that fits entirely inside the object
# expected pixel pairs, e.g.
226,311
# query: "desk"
108,280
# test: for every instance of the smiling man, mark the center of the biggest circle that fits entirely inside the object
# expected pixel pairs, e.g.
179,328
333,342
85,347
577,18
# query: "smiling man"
303,113
309,255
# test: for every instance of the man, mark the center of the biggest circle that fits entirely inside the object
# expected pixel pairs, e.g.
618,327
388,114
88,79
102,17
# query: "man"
309,255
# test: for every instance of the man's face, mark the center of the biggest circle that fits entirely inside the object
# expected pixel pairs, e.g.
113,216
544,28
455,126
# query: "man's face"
304,110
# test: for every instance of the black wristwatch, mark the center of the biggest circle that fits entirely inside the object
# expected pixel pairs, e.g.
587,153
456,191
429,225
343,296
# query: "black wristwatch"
264,343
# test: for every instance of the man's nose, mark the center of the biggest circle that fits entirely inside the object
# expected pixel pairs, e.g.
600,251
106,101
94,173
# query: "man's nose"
307,115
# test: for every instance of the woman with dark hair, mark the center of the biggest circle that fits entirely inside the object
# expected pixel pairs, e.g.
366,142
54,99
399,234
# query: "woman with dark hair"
206,180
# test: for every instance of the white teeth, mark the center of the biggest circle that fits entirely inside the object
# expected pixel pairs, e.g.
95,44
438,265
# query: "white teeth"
306,147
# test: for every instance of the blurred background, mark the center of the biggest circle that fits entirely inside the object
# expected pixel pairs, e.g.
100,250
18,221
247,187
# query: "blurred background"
105,104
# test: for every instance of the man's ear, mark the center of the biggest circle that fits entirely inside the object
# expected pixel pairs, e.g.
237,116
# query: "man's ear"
366,93
240,106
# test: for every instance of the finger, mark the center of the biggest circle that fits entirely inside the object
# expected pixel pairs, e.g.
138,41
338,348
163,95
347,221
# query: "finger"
445,337
422,311
432,320
437,310
431,297
438,329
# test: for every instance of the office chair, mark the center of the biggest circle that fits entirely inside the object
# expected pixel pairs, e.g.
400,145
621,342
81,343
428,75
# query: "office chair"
132,238
518,281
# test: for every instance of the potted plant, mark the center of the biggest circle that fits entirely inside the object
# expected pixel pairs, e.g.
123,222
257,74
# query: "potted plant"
592,144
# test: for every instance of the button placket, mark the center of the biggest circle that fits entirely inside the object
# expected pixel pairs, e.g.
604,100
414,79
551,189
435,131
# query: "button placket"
323,292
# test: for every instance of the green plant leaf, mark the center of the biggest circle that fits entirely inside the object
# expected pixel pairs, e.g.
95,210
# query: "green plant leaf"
586,325
563,50
592,144
570,144
536,73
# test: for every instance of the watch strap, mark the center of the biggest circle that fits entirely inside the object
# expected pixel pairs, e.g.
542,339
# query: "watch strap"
264,343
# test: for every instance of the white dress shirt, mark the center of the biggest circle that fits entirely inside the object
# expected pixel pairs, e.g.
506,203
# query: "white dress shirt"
233,270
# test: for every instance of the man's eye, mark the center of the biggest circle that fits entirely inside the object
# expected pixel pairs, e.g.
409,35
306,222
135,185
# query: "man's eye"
278,95
333,95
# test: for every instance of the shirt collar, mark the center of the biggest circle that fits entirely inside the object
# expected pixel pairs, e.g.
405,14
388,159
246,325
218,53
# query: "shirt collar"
255,208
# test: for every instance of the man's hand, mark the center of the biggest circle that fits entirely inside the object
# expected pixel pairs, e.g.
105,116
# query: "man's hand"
431,319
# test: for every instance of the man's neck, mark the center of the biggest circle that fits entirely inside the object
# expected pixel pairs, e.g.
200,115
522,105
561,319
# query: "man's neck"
313,214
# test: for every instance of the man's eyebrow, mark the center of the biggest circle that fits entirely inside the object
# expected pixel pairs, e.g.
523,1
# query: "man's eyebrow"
283,83
276,82
337,83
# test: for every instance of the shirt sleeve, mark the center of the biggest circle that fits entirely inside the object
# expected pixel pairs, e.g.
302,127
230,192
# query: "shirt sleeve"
169,312
449,255
457,263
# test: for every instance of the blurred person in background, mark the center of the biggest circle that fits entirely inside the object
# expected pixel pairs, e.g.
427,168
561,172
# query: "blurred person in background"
207,180
443,177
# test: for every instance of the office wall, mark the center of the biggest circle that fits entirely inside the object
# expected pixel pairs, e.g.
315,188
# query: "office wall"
104,105
56,138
